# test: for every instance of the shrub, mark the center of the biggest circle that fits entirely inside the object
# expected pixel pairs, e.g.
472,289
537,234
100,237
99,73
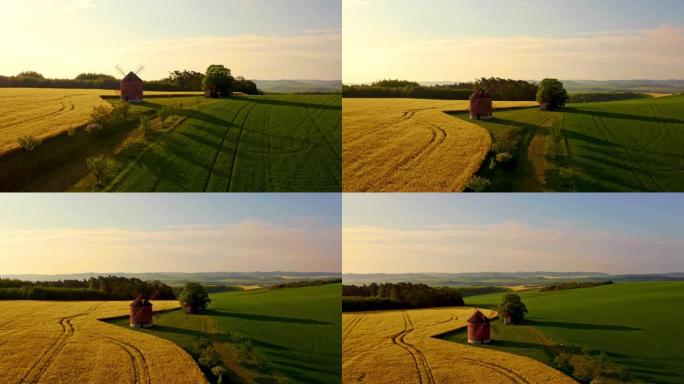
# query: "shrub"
219,371
97,166
29,142
71,132
492,164
478,183
505,142
146,126
94,128
100,115
164,113
504,157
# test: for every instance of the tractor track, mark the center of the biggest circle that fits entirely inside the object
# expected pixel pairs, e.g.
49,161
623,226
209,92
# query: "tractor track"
237,146
510,374
439,136
141,371
40,366
325,137
420,361
65,106
351,325
218,151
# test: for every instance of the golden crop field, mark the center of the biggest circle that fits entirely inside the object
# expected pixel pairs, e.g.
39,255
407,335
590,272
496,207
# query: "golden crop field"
46,112
64,342
400,347
411,145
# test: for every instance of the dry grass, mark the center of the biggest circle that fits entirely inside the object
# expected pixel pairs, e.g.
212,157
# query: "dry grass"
400,347
64,342
46,112
410,145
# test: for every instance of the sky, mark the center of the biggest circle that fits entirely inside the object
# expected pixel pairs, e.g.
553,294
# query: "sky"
459,233
460,40
257,39
137,233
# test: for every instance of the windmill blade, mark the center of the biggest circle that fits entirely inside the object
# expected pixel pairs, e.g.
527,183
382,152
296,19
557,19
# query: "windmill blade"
140,69
121,71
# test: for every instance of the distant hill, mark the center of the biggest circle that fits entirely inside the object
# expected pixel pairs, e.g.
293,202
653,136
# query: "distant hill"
299,86
174,278
500,278
644,86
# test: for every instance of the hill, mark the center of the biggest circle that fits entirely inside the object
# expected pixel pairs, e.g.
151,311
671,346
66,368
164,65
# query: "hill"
629,331
299,86
288,335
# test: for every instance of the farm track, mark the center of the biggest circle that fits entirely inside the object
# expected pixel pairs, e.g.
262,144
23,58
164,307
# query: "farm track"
325,137
40,366
66,105
218,150
141,372
421,363
237,148
352,324
509,374
439,136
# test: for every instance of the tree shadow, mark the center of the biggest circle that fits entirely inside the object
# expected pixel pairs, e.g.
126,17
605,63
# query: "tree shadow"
288,103
581,326
623,116
254,317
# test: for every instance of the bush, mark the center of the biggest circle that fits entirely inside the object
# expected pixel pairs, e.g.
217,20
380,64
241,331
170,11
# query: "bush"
146,126
504,157
478,183
94,128
100,115
492,164
97,166
29,142
164,113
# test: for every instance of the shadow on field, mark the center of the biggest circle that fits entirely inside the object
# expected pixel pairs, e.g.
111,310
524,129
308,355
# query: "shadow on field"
178,331
249,316
583,326
624,116
288,103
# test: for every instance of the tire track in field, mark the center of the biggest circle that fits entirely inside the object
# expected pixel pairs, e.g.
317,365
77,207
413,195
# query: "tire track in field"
407,115
325,137
62,108
508,373
223,141
237,145
141,370
40,366
419,360
439,136
351,326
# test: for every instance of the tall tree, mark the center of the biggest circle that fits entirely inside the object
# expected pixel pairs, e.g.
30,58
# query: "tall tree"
219,79
552,94
513,304
196,296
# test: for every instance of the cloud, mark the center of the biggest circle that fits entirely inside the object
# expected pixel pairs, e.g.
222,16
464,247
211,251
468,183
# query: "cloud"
505,247
355,3
247,246
649,53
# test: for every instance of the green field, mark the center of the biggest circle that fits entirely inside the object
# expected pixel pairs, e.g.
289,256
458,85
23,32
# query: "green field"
295,333
632,330
628,145
242,144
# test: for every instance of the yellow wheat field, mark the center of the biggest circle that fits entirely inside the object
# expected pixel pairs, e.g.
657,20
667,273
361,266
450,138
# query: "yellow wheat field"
411,145
400,347
64,342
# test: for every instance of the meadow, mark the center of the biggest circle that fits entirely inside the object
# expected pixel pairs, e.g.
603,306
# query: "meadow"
411,145
242,144
631,331
403,347
65,342
289,335
620,146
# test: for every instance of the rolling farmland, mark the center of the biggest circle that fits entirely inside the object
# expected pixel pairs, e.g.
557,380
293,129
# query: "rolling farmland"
409,145
628,145
64,342
636,326
401,347
264,143
293,333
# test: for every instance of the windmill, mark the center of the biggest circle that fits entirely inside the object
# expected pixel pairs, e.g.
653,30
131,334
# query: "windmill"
131,85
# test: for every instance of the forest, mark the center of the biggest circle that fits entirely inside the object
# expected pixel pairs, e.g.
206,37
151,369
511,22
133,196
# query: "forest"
398,296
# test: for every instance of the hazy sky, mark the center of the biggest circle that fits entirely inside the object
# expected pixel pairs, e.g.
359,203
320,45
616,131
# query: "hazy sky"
613,233
258,39
70,233
522,39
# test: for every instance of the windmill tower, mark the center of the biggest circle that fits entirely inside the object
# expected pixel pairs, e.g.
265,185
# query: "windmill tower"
131,85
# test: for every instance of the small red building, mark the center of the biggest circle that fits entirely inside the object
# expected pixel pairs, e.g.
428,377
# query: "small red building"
132,88
507,318
141,313
481,105
478,329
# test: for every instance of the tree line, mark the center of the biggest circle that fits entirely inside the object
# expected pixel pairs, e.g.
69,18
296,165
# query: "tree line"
499,88
176,81
94,288
306,283
574,285
398,296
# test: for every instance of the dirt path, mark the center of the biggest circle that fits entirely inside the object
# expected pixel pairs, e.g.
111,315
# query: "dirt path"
533,166
228,355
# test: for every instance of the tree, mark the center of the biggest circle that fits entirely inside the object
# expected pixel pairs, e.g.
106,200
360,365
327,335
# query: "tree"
196,296
552,93
186,80
31,75
514,306
97,166
219,79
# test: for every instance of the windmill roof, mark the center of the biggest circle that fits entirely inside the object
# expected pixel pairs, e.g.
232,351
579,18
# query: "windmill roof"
131,77
141,301
478,317
480,93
